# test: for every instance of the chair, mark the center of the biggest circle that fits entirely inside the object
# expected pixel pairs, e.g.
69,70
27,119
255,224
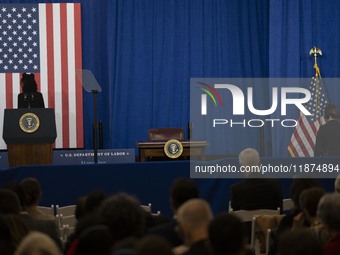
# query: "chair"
67,225
287,204
165,134
251,216
259,231
70,220
47,209
248,215
146,208
66,210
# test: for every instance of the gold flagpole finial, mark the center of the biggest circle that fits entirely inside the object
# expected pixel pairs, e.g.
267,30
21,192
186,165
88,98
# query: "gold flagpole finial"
316,51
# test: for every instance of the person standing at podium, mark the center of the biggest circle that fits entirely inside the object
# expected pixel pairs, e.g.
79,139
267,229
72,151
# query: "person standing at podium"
30,97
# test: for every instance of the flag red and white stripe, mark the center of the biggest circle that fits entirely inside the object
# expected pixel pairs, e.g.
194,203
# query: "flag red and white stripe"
302,142
60,57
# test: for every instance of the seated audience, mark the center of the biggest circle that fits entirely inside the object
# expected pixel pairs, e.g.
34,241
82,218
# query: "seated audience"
309,200
329,214
193,218
37,243
227,235
255,192
299,242
182,190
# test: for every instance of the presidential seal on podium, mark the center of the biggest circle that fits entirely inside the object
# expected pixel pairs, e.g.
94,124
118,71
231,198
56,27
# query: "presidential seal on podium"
29,122
173,148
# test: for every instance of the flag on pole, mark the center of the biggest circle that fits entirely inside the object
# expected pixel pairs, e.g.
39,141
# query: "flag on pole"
44,39
302,142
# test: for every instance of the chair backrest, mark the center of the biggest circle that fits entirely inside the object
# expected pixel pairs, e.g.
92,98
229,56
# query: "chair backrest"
248,215
70,220
66,210
287,204
259,230
164,134
47,209
146,208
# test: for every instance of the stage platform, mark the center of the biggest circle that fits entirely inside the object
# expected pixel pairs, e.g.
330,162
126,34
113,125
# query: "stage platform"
148,181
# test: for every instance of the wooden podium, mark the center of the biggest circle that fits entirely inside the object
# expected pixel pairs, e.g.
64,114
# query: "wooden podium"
29,135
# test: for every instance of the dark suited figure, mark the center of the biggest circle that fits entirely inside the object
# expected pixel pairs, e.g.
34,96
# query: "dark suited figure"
182,190
328,137
30,97
255,192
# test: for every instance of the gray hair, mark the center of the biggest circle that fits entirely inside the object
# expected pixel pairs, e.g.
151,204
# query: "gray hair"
328,211
249,157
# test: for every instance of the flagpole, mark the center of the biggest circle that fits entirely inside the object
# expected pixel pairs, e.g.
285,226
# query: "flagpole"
316,51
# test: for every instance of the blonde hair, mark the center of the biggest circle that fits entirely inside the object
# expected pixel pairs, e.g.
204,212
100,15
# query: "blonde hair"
37,243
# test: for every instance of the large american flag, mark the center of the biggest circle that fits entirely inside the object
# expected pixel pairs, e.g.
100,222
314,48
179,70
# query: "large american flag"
302,142
44,39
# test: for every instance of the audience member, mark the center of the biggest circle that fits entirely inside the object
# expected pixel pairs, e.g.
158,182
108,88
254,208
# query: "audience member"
44,226
31,188
309,200
7,244
299,242
182,190
9,202
37,243
122,215
255,192
298,185
86,214
153,245
17,227
328,212
193,219
227,235
328,136
96,239
337,184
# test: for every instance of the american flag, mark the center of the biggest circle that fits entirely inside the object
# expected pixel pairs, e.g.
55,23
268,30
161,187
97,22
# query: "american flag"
44,39
302,142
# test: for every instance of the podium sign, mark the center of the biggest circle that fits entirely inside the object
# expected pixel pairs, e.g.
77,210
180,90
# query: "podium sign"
29,135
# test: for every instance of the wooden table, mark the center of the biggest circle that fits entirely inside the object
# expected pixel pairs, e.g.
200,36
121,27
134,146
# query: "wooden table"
156,149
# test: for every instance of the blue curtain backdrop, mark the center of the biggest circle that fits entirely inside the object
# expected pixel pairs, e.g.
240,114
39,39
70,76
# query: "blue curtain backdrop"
144,52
